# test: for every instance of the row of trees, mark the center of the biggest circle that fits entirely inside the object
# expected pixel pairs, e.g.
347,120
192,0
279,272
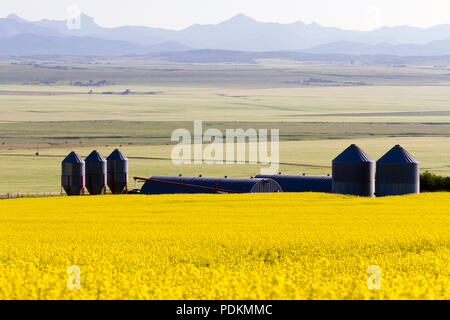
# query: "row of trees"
430,182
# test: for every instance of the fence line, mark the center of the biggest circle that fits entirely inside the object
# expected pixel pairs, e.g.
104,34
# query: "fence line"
28,195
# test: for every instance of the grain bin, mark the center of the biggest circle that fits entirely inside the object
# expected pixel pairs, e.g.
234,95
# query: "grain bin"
353,173
117,172
95,173
301,183
397,173
73,175
181,184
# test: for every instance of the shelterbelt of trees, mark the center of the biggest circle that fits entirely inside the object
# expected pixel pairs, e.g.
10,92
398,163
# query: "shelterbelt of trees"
431,182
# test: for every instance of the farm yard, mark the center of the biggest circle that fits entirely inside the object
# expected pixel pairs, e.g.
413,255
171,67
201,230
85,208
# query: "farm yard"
283,246
25,173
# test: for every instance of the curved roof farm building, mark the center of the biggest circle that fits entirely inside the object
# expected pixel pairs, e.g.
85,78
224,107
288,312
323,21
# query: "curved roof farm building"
180,184
301,183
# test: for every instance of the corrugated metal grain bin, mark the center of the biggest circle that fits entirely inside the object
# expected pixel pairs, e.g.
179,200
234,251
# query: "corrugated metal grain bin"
180,184
354,173
73,175
301,183
95,173
117,172
398,172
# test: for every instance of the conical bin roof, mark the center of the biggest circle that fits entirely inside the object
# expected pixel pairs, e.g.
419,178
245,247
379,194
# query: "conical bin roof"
397,155
73,157
116,155
353,154
95,156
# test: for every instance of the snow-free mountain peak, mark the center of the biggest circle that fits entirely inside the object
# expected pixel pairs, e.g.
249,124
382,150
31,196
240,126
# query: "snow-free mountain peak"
15,17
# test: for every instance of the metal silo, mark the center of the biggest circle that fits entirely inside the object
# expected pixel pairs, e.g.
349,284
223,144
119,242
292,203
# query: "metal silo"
73,175
397,173
95,173
353,173
117,172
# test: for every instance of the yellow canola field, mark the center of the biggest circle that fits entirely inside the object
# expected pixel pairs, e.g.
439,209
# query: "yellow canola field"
251,246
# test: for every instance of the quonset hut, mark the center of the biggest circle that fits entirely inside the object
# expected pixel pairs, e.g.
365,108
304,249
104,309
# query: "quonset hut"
301,183
354,173
180,184
117,172
95,173
73,175
397,173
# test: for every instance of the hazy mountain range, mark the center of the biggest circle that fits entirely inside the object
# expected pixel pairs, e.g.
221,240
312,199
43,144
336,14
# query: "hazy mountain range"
240,33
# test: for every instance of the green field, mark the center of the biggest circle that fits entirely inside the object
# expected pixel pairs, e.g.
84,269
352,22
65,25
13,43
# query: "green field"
19,135
319,110
301,104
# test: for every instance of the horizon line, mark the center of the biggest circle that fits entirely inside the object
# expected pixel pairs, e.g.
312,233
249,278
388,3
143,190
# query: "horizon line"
228,19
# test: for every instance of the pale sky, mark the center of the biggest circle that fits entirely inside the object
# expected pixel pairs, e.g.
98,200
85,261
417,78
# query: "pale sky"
178,14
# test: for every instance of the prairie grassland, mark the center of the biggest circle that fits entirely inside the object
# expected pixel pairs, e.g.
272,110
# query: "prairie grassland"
265,74
260,92
304,104
23,172
282,246
65,134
